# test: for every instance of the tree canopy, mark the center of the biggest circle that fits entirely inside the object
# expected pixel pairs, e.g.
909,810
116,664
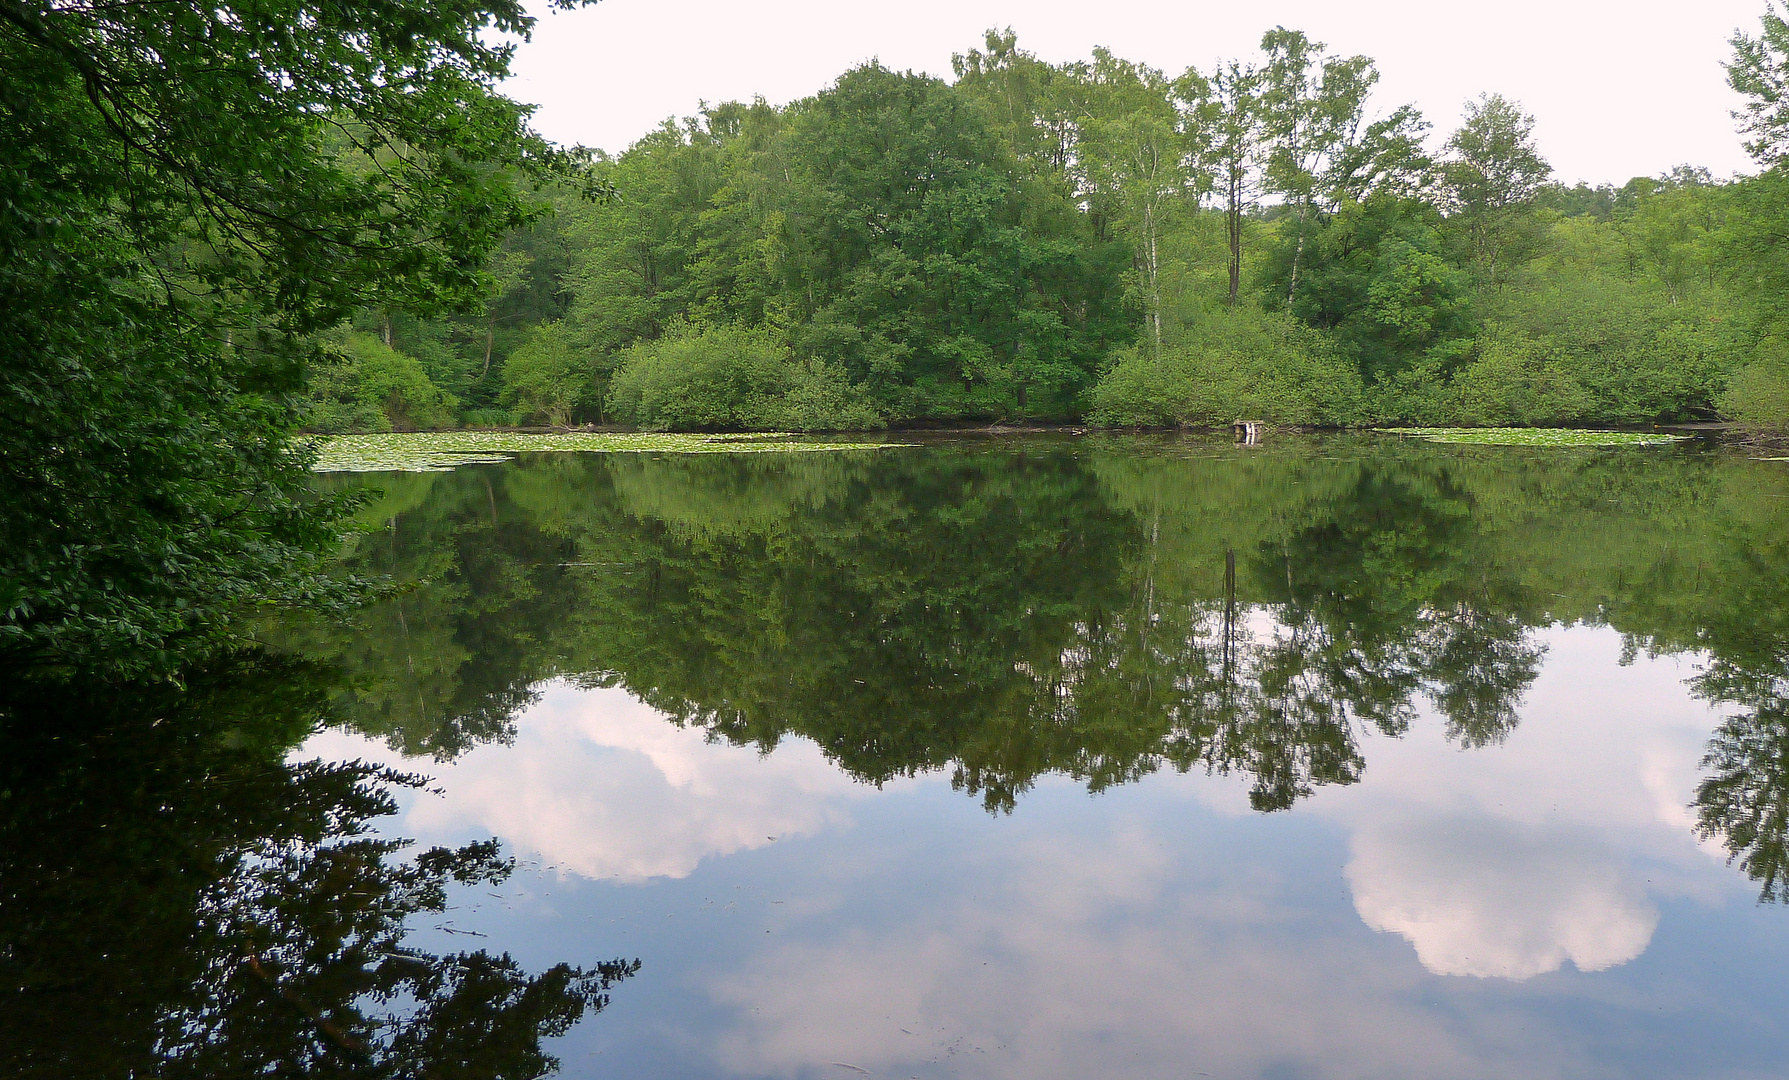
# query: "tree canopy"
190,193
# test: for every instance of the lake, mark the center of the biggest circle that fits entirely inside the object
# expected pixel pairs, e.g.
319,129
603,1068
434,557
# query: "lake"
1023,756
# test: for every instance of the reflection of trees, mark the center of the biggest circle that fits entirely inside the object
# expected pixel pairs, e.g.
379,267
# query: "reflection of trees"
1371,599
1007,612
1743,624
178,900
1745,798
989,613
447,664
1378,600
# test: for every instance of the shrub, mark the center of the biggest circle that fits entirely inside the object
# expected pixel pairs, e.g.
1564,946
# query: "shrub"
1757,395
1230,364
732,379
550,376
369,386
482,418
1514,384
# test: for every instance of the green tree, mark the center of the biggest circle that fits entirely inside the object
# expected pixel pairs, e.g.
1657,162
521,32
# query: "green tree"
1760,71
1317,152
1490,178
551,375
359,383
190,192
1236,149
1142,147
1376,277
915,269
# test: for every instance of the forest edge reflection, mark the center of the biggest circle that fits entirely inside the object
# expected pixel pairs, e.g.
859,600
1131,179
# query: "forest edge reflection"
178,899
1010,609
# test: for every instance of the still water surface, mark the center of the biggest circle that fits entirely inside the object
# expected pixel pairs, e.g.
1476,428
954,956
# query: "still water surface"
1076,757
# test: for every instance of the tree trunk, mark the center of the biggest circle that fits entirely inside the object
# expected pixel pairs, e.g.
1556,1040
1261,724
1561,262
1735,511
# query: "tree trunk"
1233,221
1297,254
1155,285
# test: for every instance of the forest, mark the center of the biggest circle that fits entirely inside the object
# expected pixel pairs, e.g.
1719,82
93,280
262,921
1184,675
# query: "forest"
1102,242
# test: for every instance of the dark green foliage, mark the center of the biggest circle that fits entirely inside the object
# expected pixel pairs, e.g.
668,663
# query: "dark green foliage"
186,192
178,900
1374,274
993,249
358,383
881,228
919,273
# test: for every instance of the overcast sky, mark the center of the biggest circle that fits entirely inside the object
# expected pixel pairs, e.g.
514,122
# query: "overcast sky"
1618,88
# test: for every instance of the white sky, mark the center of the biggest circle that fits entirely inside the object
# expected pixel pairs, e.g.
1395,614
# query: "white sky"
1619,87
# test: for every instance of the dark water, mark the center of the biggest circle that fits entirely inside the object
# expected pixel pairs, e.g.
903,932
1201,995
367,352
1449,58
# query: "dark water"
1041,757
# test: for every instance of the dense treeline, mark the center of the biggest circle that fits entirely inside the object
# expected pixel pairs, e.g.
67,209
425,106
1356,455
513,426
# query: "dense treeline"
1101,240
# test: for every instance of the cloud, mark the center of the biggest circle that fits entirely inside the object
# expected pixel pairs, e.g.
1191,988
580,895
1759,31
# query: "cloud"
1106,955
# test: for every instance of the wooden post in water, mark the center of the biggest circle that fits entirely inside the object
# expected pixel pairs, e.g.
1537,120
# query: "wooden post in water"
1248,432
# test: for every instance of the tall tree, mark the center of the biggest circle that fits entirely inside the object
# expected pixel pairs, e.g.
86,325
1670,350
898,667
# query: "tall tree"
1491,176
1143,145
190,190
1236,90
1318,148
1760,70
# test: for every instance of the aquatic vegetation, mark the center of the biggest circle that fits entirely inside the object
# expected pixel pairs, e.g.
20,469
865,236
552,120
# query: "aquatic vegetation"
439,451
1537,436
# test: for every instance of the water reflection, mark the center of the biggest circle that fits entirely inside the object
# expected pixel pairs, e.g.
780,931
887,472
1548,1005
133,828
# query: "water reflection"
817,732
597,784
1010,611
178,899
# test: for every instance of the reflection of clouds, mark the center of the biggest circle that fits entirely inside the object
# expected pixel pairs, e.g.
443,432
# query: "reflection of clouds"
603,786
1508,861
1098,957
1484,897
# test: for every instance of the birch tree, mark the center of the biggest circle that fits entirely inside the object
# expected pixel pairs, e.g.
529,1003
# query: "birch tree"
1143,145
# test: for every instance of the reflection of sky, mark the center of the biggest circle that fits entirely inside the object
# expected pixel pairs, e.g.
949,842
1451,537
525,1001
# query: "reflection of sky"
1535,909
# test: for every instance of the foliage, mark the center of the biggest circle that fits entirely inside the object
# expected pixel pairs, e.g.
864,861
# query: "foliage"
189,192
1760,71
1375,275
363,384
550,376
731,379
1758,394
1491,177
992,248
183,901
1232,363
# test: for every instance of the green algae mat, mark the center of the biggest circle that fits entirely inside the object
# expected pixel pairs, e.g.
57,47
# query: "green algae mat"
1537,436
439,451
